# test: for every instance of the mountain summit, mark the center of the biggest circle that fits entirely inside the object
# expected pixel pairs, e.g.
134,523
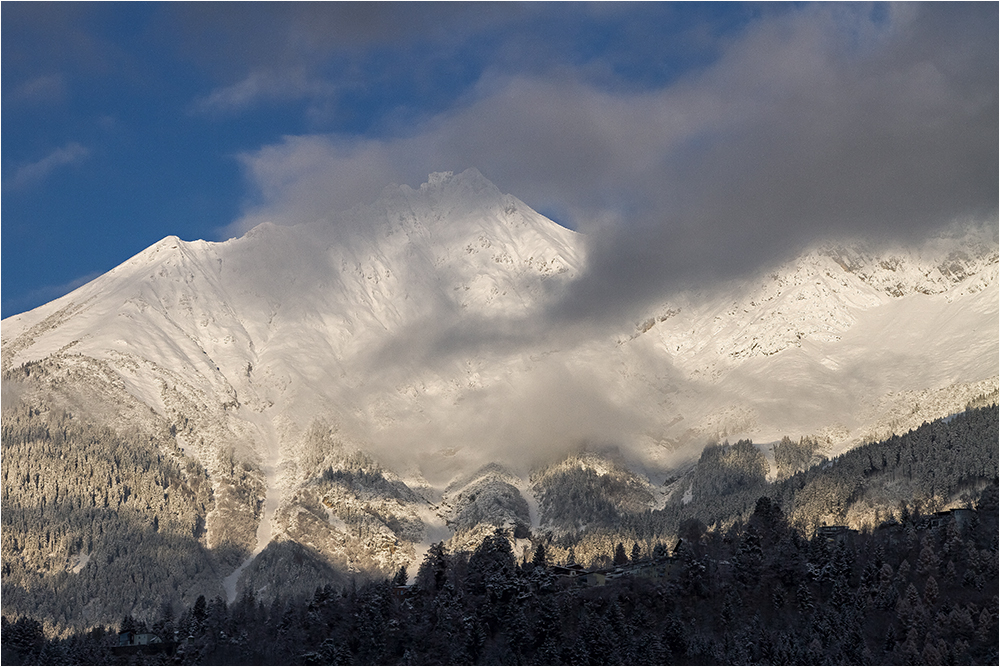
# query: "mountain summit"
328,385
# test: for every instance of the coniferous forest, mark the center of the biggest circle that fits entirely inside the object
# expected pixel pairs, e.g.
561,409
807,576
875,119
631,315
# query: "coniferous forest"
919,586
919,591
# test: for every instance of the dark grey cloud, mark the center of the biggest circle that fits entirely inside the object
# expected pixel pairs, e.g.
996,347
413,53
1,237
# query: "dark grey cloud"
294,51
434,50
275,33
48,36
825,121
815,137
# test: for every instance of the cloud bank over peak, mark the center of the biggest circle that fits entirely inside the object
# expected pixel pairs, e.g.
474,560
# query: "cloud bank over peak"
820,122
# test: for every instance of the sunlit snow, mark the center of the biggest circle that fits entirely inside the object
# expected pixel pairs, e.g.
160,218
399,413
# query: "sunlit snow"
416,326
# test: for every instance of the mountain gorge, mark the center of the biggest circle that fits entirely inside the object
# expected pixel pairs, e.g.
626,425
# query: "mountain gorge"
324,401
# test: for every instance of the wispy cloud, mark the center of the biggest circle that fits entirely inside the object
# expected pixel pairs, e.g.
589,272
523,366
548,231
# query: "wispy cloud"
34,172
44,294
264,86
40,90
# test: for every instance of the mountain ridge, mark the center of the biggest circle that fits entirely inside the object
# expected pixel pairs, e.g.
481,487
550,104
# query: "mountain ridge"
265,356
219,321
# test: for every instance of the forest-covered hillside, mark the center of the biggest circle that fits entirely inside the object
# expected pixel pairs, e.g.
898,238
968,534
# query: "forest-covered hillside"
942,464
100,523
94,521
920,591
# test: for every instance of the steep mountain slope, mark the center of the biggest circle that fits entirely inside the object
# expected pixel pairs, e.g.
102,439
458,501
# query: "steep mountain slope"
357,388
242,347
837,342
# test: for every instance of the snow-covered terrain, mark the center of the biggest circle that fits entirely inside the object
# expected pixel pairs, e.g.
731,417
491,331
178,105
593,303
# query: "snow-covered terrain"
402,328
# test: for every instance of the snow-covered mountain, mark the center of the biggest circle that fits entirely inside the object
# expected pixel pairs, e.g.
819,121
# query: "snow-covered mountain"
359,384
839,341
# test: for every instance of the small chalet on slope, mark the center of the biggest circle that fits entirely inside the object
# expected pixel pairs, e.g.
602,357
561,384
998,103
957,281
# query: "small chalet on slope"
579,574
835,533
142,642
961,516
645,568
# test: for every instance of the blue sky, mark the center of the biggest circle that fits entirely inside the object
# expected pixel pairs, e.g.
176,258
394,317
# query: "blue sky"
689,140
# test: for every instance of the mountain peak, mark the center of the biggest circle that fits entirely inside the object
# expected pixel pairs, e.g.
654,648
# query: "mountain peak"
466,192
469,180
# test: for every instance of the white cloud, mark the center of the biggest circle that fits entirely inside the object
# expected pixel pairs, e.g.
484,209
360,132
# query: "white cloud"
37,171
535,137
